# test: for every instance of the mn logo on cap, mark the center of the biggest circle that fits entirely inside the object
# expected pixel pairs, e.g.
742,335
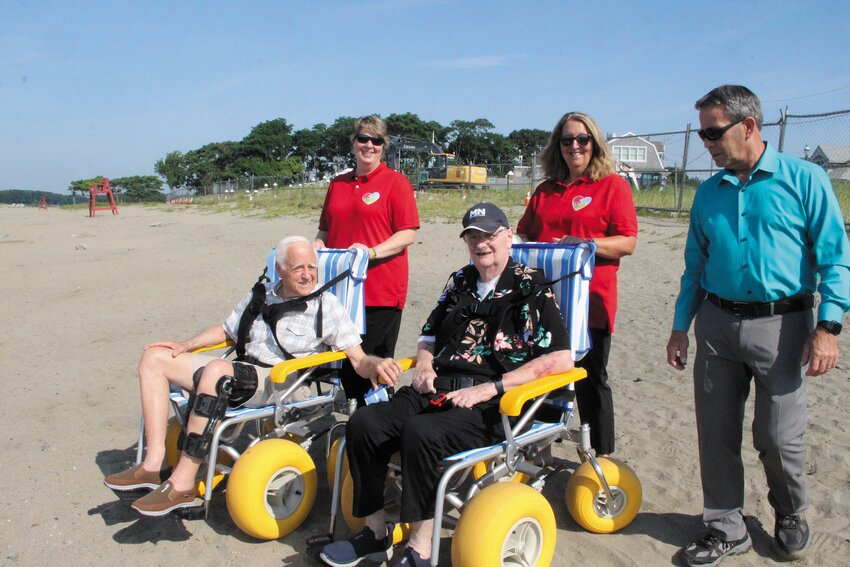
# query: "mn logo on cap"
477,213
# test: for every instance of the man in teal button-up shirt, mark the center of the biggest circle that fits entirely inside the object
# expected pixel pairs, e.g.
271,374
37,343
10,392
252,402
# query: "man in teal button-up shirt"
766,232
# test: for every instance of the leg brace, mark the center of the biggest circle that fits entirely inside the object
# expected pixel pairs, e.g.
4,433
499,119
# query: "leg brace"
204,405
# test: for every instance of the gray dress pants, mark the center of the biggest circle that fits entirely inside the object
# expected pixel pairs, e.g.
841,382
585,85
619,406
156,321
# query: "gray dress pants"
731,352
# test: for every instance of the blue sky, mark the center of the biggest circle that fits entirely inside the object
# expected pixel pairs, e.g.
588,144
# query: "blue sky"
108,88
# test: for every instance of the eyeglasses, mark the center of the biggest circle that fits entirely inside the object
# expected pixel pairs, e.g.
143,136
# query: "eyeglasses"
713,134
582,139
476,237
363,138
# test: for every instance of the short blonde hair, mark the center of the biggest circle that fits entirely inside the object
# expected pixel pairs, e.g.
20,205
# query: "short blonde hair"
601,163
371,123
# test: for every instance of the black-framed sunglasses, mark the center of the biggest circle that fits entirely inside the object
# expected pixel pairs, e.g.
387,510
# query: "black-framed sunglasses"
713,134
582,139
363,138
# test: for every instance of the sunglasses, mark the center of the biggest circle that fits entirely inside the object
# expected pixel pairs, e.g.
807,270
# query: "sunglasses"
582,139
713,134
363,138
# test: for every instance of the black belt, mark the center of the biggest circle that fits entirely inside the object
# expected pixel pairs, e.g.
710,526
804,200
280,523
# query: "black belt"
756,309
447,384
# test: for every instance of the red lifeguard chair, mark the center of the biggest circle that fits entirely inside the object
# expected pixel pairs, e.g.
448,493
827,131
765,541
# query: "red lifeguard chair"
101,188
42,203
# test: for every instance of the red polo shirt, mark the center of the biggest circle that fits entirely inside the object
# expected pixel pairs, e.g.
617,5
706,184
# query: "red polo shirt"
587,209
369,209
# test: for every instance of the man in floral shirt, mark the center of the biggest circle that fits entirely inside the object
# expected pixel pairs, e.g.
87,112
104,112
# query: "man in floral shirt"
495,327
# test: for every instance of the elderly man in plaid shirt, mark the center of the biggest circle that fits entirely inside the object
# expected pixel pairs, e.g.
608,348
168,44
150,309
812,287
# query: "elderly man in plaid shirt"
296,333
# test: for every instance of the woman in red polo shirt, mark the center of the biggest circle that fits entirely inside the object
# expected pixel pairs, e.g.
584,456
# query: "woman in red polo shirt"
373,207
583,199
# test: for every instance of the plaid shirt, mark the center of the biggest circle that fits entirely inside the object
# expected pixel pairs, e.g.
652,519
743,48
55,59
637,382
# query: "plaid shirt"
296,330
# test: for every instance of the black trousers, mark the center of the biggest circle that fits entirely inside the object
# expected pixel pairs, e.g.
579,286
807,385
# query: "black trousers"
593,394
424,435
382,327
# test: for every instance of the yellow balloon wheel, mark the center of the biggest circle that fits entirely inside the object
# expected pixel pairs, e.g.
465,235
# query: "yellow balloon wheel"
590,507
505,525
332,458
272,489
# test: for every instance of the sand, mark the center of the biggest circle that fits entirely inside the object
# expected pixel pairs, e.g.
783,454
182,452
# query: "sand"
82,296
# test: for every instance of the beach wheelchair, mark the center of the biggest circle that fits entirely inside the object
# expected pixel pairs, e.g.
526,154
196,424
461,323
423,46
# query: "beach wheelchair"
263,451
492,496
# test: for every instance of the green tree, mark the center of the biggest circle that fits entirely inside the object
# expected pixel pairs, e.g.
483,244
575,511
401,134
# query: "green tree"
307,144
270,140
528,142
410,125
139,188
82,185
474,142
210,163
173,169
336,144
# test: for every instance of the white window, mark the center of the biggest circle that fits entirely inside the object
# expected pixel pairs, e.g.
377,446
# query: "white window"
629,154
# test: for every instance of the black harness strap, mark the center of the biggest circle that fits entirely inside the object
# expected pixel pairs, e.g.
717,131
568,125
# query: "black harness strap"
254,308
466,308
273,313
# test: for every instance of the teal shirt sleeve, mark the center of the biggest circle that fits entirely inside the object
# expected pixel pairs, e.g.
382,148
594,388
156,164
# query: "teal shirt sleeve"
691,293
829,247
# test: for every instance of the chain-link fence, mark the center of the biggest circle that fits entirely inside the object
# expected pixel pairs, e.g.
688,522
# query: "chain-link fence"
822,138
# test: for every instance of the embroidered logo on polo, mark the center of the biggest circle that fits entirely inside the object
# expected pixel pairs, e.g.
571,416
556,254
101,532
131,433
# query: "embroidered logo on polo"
580,202
370,198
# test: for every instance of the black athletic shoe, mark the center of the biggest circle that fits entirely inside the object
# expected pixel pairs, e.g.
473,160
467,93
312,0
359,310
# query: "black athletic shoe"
711,550
792,534
350,552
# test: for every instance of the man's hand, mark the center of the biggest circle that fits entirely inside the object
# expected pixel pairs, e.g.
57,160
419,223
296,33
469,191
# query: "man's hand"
677,350
820,352
176,348
387,371
468,397
423,379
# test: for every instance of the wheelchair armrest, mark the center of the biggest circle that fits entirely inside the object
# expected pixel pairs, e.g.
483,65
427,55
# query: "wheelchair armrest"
283,369
226,344
513,400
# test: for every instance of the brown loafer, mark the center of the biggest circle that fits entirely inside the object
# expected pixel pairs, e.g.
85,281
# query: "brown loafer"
164,500
136,478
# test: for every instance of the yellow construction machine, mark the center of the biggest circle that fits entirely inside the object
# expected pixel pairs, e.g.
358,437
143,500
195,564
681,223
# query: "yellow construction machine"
440,169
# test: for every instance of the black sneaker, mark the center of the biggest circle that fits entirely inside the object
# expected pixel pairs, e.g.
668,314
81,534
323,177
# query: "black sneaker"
350,552
711,550
411,558
792,534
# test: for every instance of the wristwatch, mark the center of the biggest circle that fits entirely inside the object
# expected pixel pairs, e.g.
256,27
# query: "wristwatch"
831,327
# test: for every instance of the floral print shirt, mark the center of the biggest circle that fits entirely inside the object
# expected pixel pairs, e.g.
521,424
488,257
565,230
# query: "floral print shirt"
488,336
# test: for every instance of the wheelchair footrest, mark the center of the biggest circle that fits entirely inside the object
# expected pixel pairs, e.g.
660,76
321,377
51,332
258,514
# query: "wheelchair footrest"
191,513
319,540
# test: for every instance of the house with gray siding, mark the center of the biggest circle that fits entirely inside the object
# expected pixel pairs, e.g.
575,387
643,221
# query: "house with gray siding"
834,159
637,158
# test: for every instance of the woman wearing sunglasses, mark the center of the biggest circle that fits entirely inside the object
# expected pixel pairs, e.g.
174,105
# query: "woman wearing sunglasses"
372,207
583,199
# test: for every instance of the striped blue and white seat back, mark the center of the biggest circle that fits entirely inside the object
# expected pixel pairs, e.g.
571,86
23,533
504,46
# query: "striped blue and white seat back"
573,294
350,291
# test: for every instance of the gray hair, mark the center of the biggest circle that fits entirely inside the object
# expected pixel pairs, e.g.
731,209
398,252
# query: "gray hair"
283,245
737,101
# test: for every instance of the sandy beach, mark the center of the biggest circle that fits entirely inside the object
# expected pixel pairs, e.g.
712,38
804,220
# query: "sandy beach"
82,296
